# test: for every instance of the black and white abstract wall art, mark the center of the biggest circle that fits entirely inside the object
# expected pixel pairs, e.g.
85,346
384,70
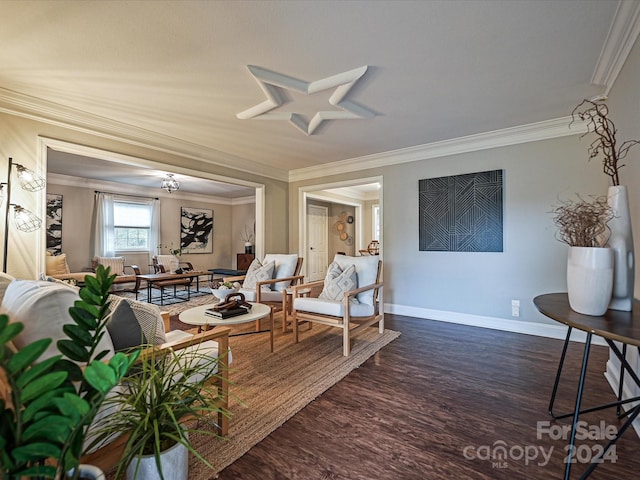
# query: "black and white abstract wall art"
196,230
461,213
54,223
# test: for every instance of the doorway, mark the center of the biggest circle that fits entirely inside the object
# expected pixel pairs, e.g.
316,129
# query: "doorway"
142,170
361,195
317,232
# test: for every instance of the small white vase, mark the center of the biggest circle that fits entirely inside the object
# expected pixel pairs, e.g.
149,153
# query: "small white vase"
621,241
590,279
174,461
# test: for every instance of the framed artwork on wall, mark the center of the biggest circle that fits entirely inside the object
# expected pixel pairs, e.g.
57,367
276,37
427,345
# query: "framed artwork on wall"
196,230
54,223
461,213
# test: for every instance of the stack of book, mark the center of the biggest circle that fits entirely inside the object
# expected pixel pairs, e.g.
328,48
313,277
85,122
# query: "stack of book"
227,313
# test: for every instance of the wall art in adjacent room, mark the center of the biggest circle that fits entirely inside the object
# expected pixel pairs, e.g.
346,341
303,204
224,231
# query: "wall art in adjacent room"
196,230
461,213
54,223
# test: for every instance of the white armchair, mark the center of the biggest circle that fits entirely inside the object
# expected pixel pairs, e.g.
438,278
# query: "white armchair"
350,299
266,281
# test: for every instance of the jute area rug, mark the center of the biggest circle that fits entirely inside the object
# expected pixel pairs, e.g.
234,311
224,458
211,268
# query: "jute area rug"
269,388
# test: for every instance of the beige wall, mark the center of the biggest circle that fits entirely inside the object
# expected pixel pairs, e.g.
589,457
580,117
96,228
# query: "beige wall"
20,141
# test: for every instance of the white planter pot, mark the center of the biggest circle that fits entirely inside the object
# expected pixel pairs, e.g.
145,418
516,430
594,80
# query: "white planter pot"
175,465
621,241
88,472
590,279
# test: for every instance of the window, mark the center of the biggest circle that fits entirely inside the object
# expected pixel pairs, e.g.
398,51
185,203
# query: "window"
132,225
375,222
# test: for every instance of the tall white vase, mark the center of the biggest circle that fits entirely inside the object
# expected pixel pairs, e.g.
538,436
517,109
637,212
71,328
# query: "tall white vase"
590,279
621,241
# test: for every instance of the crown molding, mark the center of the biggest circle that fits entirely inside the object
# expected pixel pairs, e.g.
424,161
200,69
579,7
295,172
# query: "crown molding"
118,188
33,108
622,35
533,132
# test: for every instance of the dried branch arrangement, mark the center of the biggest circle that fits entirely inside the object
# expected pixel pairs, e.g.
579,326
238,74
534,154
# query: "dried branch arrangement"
598,122
583,223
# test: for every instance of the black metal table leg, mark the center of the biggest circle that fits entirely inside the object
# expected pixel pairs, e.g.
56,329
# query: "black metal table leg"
559,373
576,415
621,382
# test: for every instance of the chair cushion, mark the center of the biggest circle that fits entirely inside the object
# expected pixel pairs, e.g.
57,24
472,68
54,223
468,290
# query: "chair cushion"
285,267
115,263
124,329
339,281
331,307
366,270
210,347
265,295
257,273
57,264
43,308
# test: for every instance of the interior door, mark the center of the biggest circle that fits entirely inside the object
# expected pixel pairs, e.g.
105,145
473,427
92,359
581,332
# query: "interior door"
317,240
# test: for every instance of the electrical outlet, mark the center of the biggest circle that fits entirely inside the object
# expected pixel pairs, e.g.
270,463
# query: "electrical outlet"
515,308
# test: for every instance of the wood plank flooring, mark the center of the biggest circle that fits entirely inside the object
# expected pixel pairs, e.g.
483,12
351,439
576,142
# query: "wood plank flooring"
410,411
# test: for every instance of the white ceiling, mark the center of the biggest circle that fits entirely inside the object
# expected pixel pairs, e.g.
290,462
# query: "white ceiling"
174,73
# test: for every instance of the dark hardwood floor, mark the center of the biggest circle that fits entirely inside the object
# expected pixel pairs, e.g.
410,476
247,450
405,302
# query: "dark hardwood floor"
439,391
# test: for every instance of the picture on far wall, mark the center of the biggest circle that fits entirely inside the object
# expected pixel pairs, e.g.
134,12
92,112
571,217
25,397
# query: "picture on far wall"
54,223
196,230
461,213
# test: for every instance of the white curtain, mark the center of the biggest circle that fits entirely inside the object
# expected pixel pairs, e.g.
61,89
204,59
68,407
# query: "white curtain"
104,229
154,234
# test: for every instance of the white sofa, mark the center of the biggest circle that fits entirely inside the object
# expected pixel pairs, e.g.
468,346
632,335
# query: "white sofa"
43,306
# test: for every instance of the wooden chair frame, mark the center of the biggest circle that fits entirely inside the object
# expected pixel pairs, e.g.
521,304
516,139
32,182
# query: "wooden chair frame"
348,323
276,306
126,278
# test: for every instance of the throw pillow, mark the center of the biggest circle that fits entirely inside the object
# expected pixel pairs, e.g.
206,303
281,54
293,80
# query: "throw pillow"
57,264
285,267
258,273
124,328
149,319
339,281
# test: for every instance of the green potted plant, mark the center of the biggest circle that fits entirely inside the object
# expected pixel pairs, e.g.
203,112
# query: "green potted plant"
167,396
47,406
583,225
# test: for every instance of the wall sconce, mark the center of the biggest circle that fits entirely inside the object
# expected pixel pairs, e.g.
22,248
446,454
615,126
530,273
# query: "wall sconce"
169,183
23,219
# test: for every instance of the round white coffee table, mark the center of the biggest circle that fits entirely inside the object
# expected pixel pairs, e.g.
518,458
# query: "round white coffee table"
197,317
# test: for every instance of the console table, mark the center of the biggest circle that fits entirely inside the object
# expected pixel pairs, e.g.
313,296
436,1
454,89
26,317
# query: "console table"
243,260
613,326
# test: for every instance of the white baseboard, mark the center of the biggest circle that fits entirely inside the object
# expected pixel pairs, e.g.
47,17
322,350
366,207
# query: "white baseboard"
505,324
